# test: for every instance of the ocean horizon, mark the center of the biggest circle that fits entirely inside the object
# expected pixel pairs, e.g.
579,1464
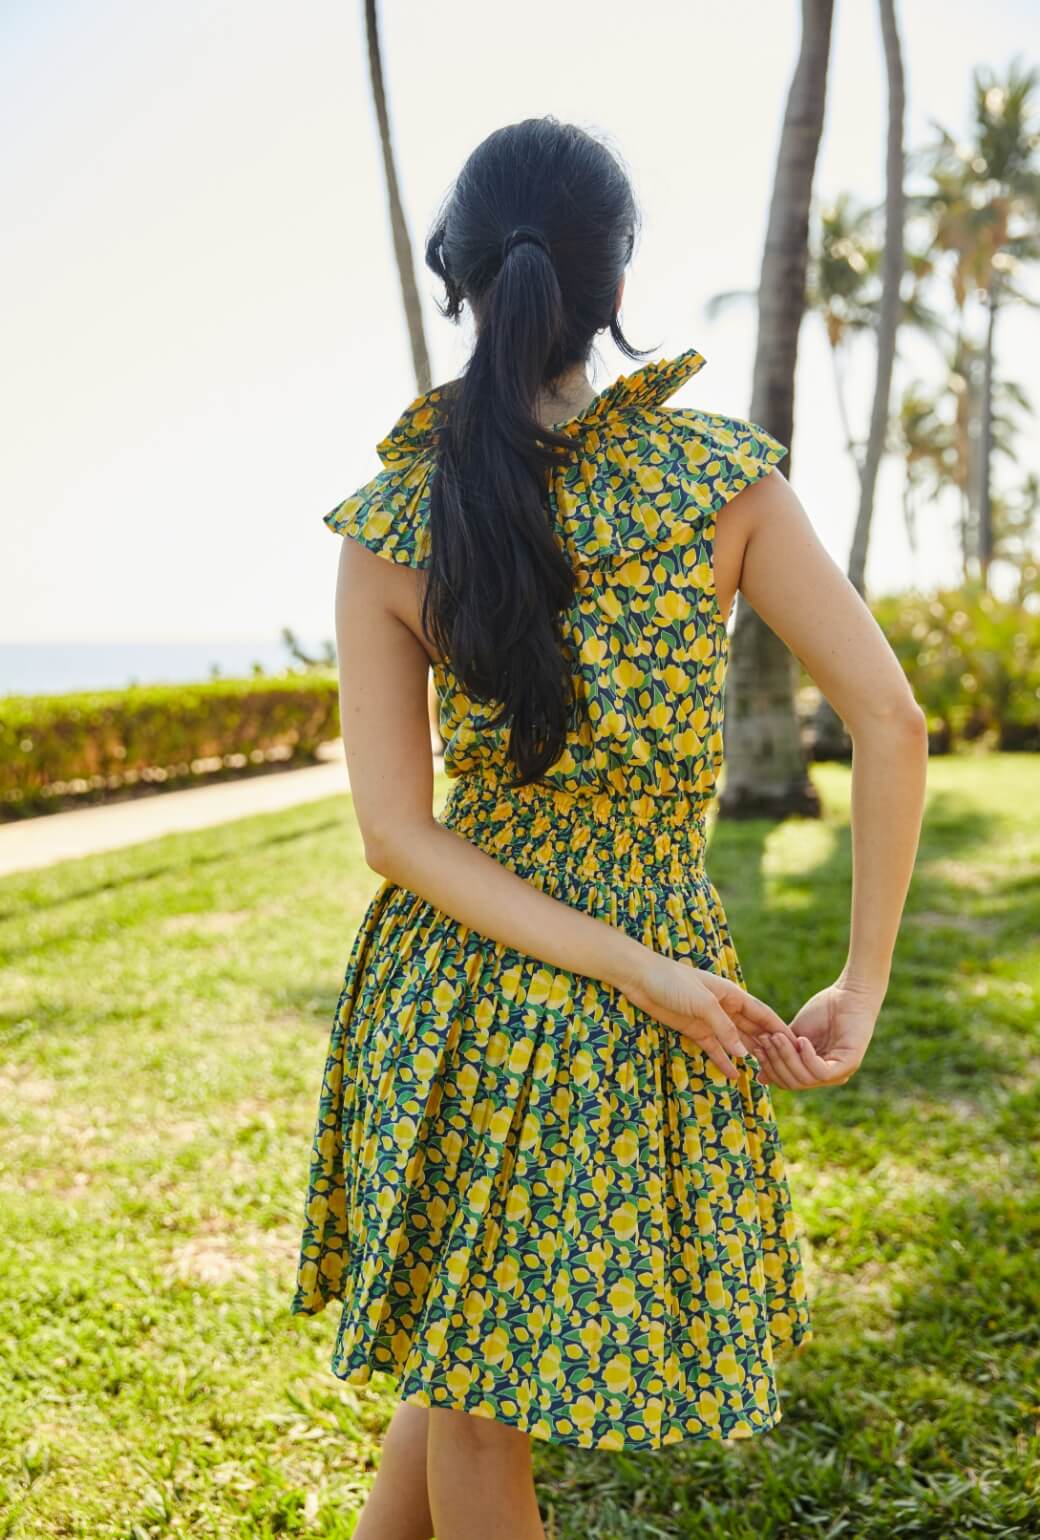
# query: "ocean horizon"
52,668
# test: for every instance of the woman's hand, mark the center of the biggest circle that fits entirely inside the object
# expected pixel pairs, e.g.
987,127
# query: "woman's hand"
829,1038
714,1013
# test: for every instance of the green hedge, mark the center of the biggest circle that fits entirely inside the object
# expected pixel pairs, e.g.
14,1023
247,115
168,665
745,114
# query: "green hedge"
973,662
93,743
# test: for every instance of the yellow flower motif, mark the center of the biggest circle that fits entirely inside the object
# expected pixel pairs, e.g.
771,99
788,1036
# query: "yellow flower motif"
506,1273
520,1054
444,997
495,1347
733,1136
501,1122
425,1063
459,1379
497,1050
649,478
622,1296
727,1365
549,1363
633,574
627,675
673,606
715,1291
625,1222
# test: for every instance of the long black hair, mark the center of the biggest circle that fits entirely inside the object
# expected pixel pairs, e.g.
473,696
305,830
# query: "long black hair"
498,578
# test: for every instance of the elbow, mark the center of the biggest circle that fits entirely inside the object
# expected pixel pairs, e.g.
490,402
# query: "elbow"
388,850
378,851
899,720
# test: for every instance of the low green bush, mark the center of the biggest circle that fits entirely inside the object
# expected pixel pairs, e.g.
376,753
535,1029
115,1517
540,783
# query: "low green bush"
92,743
973,662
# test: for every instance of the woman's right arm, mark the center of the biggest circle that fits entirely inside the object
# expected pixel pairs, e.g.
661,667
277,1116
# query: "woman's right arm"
788,577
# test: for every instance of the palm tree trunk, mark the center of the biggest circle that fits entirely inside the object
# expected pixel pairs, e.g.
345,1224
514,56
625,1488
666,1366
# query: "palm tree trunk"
405,270
985,537
766,773
893,260
831,739
398,224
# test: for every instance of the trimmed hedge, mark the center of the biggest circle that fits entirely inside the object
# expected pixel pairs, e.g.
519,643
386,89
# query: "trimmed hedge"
87,744
973,662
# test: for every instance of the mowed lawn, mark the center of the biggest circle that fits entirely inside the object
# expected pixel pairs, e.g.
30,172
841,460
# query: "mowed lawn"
165,1017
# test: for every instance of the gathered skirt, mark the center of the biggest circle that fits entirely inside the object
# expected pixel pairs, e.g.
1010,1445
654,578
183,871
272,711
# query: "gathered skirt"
533,1201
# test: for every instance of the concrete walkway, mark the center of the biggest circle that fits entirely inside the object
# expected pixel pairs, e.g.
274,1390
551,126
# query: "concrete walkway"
35,842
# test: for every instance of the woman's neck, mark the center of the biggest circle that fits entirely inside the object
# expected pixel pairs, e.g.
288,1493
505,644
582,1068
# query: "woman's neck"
570,395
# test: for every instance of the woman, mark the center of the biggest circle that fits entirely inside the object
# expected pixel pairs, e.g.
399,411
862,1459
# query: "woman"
546,1180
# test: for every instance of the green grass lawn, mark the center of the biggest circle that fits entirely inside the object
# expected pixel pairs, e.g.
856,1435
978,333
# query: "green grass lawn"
165,1015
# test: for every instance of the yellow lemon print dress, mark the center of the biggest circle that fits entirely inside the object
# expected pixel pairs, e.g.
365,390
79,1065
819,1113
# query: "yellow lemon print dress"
532,1201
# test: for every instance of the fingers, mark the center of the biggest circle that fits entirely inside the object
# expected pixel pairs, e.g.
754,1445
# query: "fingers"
797,1066
785,1066
827,1071
755,1015
722,1026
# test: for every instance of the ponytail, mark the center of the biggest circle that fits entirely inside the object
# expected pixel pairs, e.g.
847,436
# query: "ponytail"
499,580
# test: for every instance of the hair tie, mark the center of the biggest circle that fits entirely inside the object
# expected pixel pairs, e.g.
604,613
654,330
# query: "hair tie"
524,233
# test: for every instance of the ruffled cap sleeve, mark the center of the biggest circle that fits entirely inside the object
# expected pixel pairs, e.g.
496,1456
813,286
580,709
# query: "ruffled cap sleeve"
389,513
657,477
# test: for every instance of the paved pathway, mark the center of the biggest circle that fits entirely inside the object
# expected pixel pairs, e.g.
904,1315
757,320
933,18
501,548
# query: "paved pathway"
35,842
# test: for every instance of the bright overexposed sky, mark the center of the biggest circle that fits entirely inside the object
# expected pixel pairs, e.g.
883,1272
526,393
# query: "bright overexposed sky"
203,333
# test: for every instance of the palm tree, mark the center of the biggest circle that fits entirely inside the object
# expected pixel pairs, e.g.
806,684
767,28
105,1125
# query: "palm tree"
891,286
934,433
765,764
398,224
1016,524
405,266
984,207
832,740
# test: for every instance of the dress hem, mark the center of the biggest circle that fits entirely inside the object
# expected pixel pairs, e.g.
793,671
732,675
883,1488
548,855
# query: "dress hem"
534,1422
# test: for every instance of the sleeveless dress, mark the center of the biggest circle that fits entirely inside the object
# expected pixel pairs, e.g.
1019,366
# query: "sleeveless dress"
533,1202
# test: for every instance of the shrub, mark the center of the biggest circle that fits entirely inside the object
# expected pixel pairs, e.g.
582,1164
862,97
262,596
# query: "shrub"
973,662
93,742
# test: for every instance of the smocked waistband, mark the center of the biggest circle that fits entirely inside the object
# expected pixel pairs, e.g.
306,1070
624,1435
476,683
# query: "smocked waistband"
603,836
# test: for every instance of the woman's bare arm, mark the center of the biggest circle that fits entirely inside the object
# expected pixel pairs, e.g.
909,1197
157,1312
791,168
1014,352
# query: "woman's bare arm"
383,669
790,580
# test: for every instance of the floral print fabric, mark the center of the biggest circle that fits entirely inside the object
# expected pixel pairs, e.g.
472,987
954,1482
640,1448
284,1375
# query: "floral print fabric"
534,1201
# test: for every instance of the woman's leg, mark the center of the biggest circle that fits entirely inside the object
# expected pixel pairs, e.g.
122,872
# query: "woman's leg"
480,1479
397,1507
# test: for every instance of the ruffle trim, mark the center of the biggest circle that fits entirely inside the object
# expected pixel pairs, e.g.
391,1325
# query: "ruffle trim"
625,430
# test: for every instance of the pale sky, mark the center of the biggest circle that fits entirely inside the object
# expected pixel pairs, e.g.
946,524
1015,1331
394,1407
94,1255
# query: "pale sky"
203,334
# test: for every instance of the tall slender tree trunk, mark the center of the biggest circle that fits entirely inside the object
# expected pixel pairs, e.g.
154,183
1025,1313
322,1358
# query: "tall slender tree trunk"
766,773
398,223
985,536
832,740
892,264
405,270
